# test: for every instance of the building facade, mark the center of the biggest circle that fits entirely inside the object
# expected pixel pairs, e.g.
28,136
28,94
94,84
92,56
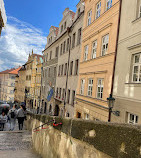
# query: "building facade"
61,63
7,84
37,98
31,66
127,82
97,59
19,92
3,18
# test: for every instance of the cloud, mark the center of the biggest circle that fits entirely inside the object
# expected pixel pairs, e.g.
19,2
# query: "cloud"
17,41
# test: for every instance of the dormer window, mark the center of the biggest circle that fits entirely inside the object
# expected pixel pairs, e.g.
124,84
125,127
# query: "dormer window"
65,24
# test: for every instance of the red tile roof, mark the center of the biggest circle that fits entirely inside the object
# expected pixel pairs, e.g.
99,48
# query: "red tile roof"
15,71
73,14
11,71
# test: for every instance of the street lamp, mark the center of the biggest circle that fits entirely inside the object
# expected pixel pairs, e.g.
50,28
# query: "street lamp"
111,102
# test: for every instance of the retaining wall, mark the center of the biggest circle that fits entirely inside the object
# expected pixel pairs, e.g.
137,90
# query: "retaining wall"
77,138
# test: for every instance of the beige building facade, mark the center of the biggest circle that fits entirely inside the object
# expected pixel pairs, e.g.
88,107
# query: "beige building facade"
3,18
127,82
7,84
97,59
19,92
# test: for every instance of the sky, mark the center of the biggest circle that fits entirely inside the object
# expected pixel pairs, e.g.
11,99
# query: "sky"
28,23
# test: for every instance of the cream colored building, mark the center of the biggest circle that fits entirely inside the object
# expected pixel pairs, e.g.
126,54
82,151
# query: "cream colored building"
31,66
37,97
19,93
127,82
99,39
7,84
3,18
61,63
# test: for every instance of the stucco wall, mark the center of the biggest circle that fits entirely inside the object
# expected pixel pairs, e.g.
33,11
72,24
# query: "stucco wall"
85,139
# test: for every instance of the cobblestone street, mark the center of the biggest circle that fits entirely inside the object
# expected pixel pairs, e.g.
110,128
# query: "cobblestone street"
16,144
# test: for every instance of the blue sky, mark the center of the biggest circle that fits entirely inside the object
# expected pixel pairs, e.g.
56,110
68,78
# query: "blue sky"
28,23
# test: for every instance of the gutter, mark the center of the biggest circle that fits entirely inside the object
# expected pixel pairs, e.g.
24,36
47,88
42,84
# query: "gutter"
114,67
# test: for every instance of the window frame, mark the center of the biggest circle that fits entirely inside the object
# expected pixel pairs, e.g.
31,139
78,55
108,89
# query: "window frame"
104,43
92,56
82,86
91,86
89,17
136,118
101,92
86,53
134,64
97,10
110,4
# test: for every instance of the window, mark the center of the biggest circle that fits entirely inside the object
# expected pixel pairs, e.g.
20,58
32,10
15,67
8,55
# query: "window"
68,99
140,10
46,57
50,55
64,48
73,97
54,71
98,9
61,49
94,48
60,90
59,70
79,36
136,72
105,41
89,17
62,28
90,87
73,41
65,71
86,53
82,87
71,68
57,92
29,77
62,70
132,119
86,116
76,66
108,4
100,88
63,96
78,13
57,51
67,44
65,24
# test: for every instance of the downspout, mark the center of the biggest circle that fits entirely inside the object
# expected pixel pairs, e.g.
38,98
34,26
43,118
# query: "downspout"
116,49
68,30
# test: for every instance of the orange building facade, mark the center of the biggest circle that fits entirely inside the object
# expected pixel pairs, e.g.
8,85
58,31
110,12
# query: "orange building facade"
97,59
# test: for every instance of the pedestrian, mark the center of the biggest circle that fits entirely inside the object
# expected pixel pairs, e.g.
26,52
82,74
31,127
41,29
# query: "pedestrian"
3,120
12,115
5,110
21,114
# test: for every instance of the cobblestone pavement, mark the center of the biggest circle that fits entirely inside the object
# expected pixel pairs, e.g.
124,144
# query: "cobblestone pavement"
16,144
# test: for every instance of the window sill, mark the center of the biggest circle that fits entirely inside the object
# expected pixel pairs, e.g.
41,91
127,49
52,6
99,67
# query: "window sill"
133,84
136,20
91,97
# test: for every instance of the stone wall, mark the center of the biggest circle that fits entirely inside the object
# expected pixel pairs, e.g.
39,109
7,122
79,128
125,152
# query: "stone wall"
77,138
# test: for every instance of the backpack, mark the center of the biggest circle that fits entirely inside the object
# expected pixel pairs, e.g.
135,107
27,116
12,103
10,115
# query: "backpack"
12,114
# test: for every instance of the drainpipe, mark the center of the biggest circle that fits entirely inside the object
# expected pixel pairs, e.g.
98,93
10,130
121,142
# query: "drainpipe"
68,30
116,48
111,94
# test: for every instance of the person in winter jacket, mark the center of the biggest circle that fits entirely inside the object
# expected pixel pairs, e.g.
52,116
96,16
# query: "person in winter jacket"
12,114
3,120
21,113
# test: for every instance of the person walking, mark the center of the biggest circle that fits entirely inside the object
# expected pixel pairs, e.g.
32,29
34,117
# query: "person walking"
12,117
3,120
21,114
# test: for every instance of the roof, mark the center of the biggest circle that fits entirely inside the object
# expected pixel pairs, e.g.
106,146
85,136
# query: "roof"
73,14
11,71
